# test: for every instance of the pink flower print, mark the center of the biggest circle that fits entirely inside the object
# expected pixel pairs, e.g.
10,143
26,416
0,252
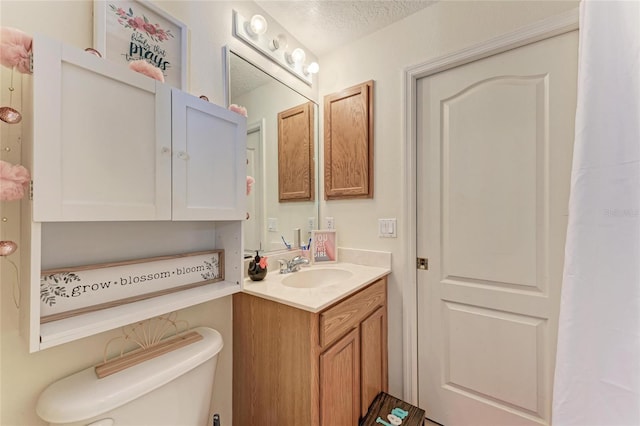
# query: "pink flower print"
149,28
140,23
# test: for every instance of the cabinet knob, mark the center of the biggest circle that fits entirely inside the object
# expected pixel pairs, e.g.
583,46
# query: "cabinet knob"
165,150
183,155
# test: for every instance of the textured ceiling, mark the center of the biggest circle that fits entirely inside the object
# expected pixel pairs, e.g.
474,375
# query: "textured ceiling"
322,25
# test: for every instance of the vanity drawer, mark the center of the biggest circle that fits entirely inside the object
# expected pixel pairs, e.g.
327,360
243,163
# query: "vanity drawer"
340,318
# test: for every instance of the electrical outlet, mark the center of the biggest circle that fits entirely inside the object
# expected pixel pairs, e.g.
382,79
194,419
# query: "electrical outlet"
311,223
329,223
272,224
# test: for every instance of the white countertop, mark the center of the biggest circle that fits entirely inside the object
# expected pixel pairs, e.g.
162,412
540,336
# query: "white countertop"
318,298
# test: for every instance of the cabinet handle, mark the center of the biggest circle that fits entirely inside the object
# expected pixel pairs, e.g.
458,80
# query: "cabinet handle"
183,155
165,150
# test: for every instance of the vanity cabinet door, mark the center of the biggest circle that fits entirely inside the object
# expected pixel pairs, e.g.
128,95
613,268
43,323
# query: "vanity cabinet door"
373,357
209,160
102,139
340,382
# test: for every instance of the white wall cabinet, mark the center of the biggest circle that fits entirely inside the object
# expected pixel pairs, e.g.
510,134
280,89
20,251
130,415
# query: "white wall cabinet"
123,167
115,145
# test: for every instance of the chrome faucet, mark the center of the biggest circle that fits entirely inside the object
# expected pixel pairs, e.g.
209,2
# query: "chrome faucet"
292,265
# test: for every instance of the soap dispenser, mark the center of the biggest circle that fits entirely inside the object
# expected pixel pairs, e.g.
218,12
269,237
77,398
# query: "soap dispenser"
258,268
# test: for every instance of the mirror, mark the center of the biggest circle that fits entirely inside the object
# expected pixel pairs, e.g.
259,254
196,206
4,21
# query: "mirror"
270,220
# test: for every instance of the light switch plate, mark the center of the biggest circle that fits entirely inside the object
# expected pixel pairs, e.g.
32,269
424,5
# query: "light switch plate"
272,224
387,228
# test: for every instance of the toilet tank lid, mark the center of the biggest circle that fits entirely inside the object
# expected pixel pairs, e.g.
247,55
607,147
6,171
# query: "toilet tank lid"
82,395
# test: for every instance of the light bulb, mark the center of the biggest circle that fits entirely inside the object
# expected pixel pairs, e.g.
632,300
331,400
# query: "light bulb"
296,57
257,25
312,68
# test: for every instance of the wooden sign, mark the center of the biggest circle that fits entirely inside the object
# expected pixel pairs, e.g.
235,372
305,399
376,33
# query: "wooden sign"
67,292
324,246
387,410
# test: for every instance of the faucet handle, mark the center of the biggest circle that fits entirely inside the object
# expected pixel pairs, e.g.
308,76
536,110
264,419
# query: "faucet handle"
284,266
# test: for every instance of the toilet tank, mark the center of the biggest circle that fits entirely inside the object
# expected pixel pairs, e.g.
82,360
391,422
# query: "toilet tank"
173,389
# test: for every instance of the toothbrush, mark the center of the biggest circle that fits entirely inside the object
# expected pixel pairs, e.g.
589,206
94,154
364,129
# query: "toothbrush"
287,245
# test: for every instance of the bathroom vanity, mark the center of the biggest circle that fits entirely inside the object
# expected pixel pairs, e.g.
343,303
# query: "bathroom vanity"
310,355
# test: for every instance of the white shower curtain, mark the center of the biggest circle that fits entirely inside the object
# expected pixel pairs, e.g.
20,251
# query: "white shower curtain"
597,377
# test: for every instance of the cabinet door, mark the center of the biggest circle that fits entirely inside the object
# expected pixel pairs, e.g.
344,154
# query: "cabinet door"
296,171
101,142
373,357
348,143
340,382
209,160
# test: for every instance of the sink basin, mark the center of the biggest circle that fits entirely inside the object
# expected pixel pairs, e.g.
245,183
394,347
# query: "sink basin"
313,278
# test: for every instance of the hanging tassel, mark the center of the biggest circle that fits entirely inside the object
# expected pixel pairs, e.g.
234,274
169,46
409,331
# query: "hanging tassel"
7,248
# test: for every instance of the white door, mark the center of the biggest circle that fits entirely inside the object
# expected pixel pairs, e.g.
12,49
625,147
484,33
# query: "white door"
494,150
254,226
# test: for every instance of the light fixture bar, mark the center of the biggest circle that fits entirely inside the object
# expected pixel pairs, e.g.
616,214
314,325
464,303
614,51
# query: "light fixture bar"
262,43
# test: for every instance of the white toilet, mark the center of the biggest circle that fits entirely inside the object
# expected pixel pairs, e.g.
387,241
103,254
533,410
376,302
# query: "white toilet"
173,389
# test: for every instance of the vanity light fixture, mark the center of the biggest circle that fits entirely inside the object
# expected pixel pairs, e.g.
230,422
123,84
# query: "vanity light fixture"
256,26
254,32
296,57
312,68
280,42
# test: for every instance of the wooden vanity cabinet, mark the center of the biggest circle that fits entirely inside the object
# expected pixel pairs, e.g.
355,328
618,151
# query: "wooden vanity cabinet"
294,367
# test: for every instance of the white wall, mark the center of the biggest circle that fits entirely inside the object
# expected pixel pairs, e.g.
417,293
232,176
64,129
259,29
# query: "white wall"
22,375
442,28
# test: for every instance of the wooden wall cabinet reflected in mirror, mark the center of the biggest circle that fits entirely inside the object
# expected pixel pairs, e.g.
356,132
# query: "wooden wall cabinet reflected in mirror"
296,169
348,143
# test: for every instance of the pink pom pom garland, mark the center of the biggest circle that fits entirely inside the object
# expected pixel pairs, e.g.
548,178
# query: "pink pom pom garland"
13,181
144,67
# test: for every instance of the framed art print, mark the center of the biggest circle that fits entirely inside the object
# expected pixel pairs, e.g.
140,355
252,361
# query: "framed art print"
126,31
324,246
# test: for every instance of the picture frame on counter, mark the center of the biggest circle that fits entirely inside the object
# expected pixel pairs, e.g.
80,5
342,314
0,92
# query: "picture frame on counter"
67,292
324,246
124,31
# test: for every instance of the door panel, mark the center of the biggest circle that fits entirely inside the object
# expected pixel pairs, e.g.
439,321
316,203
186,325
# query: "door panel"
296,172
107,162
488,163
340,382
373,365
494,153
209,167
